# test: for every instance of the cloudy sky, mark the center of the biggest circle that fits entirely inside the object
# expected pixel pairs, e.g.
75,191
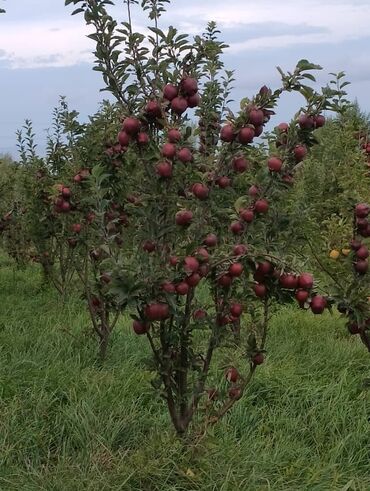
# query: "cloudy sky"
44,51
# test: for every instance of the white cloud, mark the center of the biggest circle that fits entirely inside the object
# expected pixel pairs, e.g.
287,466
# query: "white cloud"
341,19
40,44
34,43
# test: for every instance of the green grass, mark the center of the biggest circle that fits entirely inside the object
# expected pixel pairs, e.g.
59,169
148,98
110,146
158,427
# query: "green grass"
67,425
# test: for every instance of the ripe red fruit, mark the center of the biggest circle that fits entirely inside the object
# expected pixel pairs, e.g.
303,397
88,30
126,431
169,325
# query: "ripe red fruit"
300,152
203,270
164,169
253,191
170,92
72,243
168,150
193,280
123,138
261,206
153,109
361,266
140,327
210,240
362,210
240,164
236,309
302,296
202,255
168,287
199,314
223,182
227,133
131,126
260,290
174,260
353,328
237,228
236,269
200,191
193,100
184,155
77,178
189,86
225,280
149,246
355,244
240,250
174,135
256,117
235,392
274,164
179,105
265,268
157,311
258,359
182,288
318,304
184,217
191,264
362,252
76,228
306,121
283,127
65,207
319,121
246,135
232,375
289,281
247,215
142,138
66,193
305,280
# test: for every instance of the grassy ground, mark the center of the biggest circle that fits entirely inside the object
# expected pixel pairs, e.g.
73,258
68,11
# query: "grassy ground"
67,425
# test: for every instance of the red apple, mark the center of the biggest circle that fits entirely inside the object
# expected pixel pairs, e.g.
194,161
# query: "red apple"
240,164
260,290
236,269
184,155
124,138
300,152
274,164
236,309
174,135
246,214
168,150
237,228
210,240
223,182
258,359
164,169
140,327
170,92
131,126
227,133
200,191
305,280
240,250
318,304
189,86
184,217
261,206
256,117
179,105
246,135
182,288
157,311
232,375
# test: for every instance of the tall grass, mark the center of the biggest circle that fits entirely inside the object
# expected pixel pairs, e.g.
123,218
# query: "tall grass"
68,425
